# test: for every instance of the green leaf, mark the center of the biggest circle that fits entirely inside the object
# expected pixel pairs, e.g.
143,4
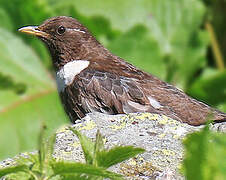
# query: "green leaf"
173,22
5,20
87,146
210,87
138,48
7,83
41,148
22,65
75,176
28,159
204,156
176,28
222,107
26,12
190,59
196,146
20,125
116,155
123,15
13,169
79,168
49,147
98,147
99,144
19,175
27,97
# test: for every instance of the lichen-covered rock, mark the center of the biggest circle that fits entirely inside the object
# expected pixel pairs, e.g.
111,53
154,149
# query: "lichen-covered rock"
159,135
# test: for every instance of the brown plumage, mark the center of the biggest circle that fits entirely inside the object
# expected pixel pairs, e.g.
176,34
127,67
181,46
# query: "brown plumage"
108,84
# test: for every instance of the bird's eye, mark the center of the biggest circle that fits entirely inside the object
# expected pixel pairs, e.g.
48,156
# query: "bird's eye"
61,30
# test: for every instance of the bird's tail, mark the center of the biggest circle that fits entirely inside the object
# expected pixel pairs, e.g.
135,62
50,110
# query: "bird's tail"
219,116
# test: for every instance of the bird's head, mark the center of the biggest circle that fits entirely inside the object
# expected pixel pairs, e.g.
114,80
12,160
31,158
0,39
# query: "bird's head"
66,38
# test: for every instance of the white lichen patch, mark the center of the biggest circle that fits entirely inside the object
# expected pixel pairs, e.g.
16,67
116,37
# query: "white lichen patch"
163,121
149,116
172,121
162,135
88,125
179,131
132,162
164,152
168,152
62,129
117,127
76,144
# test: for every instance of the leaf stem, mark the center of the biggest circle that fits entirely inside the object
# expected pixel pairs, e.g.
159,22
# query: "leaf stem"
26,99
32,174
215,46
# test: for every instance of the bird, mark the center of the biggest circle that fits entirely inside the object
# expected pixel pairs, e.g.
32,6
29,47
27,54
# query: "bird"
91,79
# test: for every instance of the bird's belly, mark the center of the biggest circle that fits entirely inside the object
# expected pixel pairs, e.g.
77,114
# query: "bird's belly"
71,104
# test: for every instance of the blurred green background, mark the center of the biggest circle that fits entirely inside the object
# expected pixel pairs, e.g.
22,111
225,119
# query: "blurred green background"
182,42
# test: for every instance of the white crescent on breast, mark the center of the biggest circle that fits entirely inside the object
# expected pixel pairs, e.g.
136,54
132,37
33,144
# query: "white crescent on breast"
67,73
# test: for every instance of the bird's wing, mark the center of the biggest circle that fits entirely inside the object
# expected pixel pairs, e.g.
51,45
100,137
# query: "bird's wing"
96,91
112,94
180,106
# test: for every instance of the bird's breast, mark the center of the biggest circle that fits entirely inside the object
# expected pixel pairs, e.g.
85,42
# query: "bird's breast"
67,73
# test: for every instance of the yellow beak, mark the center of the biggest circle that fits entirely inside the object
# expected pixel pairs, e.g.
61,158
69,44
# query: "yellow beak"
33,30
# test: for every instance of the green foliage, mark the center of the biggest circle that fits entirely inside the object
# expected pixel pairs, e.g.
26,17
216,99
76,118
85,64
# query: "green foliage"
43,166
13,169
33,165
165,38
176,28
27,96
64,168
142,47
87,146
96,155
210,82
205,156
116,155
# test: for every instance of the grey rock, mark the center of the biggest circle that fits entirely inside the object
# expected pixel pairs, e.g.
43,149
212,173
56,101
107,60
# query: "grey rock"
159,135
